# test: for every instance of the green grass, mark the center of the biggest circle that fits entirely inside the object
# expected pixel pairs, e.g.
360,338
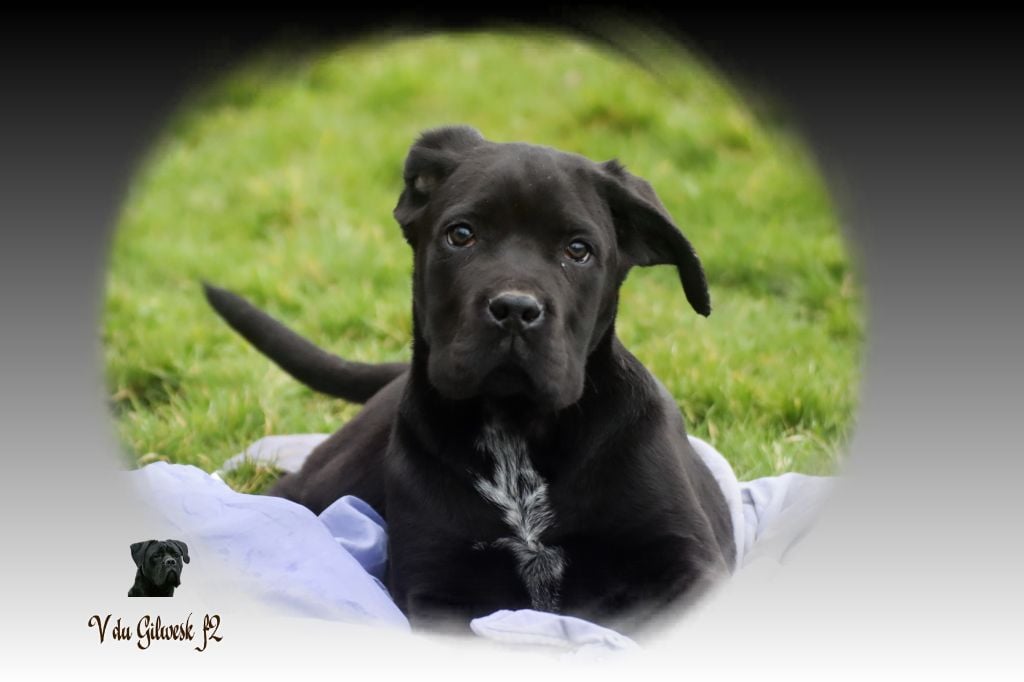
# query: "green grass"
278,182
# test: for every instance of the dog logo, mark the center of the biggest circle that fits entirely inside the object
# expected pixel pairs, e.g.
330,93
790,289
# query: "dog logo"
158,567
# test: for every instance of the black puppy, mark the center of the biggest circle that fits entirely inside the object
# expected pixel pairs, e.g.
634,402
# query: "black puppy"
524,458
159,566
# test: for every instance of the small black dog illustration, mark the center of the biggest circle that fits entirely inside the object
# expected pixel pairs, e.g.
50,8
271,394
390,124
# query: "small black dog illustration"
159,567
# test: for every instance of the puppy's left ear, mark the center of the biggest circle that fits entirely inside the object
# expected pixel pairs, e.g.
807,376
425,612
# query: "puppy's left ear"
647,235
139,552
182,547
432,158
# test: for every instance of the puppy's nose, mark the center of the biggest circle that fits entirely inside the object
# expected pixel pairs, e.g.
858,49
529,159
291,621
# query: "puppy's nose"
169,561
515,311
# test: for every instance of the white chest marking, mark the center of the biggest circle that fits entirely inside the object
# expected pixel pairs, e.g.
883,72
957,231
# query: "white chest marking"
522,496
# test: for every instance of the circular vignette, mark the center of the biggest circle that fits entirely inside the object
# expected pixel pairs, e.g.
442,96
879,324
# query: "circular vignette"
279,180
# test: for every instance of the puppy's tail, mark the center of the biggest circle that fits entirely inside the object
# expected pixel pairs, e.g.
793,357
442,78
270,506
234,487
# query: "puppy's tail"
356,382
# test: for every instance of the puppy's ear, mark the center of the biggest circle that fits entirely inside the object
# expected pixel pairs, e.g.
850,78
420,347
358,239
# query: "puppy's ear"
182,547
431,159
647,235
139,552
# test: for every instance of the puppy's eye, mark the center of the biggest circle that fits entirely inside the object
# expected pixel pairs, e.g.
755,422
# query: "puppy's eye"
460,235
578,251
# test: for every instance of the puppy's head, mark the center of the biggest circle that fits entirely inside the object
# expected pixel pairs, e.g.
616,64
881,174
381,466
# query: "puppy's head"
161,562
519,254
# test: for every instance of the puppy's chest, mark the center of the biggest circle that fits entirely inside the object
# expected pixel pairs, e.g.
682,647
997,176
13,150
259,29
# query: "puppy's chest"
520,495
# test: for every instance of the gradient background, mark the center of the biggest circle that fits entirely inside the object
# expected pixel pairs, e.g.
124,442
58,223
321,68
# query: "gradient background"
916,563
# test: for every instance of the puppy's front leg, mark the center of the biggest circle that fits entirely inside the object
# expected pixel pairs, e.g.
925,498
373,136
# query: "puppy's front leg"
664,603
437,614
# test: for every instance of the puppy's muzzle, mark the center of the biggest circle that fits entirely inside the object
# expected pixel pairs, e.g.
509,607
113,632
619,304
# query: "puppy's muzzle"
515,312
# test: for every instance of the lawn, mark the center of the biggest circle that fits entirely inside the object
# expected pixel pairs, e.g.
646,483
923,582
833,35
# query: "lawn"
278,182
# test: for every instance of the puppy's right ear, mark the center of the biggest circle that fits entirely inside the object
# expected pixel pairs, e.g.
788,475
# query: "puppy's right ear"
647,235
139,552
431,159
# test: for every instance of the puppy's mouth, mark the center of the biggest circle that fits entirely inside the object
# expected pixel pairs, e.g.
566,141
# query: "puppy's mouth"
507,369
510,375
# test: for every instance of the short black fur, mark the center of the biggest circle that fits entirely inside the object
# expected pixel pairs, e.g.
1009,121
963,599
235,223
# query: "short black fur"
638,517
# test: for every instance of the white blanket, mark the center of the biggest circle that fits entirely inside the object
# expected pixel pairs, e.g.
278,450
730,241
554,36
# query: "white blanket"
330,566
